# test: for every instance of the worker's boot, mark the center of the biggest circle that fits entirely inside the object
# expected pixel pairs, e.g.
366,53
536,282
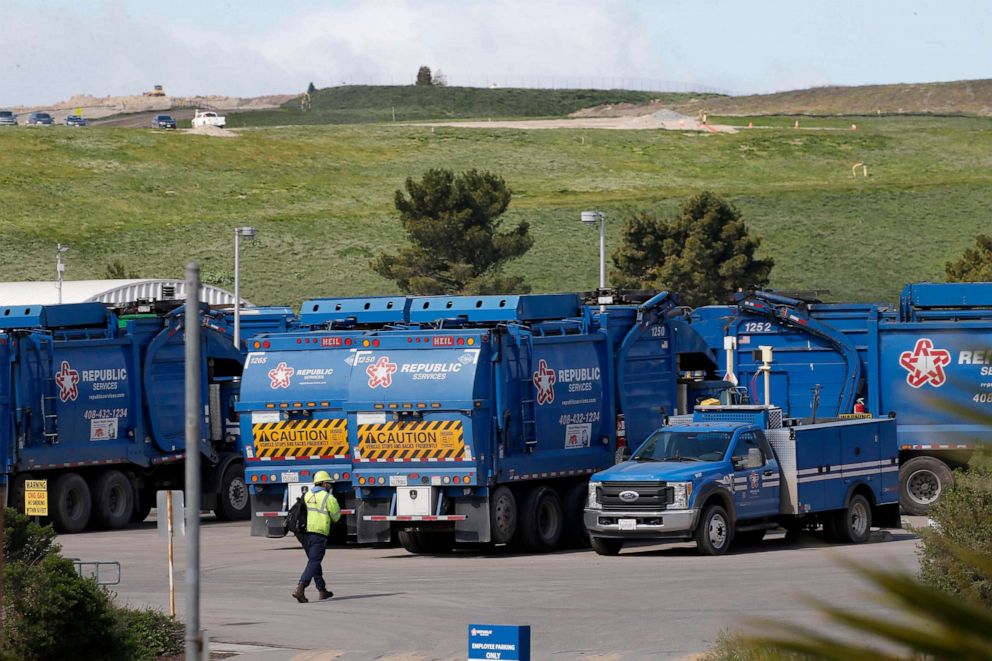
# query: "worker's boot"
298,593
324,594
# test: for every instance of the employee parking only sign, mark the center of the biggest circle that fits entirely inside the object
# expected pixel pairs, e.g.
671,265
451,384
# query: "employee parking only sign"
496,641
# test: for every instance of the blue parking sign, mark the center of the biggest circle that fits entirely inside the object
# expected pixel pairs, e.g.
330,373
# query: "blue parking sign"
497,641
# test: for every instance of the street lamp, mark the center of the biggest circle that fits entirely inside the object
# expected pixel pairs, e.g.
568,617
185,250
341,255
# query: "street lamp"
248,233
591,218
59,267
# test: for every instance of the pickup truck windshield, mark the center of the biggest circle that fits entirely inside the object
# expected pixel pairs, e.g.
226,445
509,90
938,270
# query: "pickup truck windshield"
684,446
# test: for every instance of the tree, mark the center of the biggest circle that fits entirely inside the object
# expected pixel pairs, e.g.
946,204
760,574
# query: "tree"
116,270
311,88
424,76
975,265
453,223
439,79
704,253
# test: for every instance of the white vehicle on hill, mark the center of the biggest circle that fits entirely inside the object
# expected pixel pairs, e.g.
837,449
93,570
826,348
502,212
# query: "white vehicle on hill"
208,118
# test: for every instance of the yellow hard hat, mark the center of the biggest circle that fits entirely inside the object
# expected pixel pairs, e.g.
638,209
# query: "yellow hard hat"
322,476
712,401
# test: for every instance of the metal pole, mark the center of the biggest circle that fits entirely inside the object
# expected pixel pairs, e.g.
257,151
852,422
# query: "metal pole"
194,415
237,288
602,257
172,583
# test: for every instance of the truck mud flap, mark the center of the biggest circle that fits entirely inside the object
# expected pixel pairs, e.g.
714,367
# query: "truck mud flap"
475,526
268,518
372,532
887,516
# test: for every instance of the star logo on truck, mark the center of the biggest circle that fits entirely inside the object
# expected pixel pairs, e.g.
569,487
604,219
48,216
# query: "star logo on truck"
544,381
280,375
925,364
67,379
381,373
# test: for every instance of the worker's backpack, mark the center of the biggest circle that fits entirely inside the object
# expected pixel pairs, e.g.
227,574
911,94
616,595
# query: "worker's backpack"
296,518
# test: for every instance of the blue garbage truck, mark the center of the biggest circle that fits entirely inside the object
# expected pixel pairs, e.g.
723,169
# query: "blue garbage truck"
727,474
91,400
465,418
292,406
927,359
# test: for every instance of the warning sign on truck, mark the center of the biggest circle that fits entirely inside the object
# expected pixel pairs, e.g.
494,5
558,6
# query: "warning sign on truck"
301,438
419,441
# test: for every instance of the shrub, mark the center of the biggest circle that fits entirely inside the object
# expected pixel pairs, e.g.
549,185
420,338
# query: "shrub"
25,541
963,519
148,634
53,613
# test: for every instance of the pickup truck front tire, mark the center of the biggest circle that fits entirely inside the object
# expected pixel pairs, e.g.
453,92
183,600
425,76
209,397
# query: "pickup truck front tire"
606,545
714,532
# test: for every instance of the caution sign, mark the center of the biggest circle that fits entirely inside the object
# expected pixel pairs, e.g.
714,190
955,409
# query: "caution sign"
36,497
301,438
420,441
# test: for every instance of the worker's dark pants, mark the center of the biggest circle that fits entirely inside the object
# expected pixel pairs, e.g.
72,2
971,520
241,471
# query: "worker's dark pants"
315,545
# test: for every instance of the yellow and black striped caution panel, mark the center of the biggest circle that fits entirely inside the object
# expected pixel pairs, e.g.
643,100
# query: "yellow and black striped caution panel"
417,441
301,438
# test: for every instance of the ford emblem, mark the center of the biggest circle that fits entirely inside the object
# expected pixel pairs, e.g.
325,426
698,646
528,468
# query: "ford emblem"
629,496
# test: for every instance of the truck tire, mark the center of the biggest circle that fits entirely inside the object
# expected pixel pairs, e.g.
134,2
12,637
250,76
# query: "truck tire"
606,545
16,498
233,503
113,500
420,541
70,504
575,534
714,531
502,515
853,525
541,519
922,480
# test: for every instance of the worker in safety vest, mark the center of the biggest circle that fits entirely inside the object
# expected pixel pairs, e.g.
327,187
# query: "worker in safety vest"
322,510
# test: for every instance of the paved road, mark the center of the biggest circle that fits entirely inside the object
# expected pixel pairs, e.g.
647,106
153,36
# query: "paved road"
650,603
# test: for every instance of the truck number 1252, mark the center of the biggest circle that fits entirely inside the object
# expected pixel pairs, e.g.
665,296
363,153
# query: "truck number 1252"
758,327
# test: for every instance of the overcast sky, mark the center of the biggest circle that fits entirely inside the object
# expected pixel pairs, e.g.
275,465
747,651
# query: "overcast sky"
52,49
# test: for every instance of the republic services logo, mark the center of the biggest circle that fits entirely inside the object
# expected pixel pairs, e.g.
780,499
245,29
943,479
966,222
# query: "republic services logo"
67,379
381,373
280,376
925,364
544,381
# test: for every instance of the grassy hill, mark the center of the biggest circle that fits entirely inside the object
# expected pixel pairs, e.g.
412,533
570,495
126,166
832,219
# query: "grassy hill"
321,198
963,97
352,104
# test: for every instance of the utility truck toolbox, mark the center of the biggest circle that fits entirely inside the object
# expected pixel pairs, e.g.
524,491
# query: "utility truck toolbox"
729,473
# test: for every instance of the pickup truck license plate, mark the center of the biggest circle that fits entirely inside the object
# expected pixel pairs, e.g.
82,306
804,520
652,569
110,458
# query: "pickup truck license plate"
628,524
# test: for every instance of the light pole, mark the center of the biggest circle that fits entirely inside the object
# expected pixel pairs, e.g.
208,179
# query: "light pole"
248,233
591,218
59,267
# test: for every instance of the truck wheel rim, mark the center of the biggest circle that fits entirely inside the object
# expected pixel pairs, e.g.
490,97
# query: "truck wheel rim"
503,514
923,487
717,531
859,519
116,499
237,494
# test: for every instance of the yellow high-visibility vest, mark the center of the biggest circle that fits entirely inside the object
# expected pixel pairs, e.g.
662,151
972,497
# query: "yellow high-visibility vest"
321,510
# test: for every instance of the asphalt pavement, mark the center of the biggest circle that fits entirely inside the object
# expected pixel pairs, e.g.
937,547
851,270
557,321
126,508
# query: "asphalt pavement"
656,602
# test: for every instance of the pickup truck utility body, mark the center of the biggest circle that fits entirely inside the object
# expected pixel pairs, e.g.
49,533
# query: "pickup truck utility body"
729,472
208,118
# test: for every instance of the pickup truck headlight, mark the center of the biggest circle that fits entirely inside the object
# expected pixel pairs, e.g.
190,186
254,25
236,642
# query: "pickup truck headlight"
682,491
593,501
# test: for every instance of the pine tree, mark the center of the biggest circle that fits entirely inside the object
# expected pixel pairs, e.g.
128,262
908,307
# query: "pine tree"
453,223
975,265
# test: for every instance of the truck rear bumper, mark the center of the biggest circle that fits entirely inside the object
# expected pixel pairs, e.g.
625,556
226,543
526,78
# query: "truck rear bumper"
666,524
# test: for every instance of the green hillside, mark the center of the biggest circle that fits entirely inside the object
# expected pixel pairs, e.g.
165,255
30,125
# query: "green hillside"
351,104
321,198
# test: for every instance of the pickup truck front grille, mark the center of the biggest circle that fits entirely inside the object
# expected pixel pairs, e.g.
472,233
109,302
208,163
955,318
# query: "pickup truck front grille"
651,496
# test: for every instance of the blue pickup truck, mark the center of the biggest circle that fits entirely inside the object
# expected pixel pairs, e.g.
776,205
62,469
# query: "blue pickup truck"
729,474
